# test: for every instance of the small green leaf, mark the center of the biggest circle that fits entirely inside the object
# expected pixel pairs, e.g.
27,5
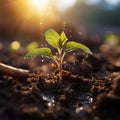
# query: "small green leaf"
63,39
32,45
39,52
60,44
74,45
52,37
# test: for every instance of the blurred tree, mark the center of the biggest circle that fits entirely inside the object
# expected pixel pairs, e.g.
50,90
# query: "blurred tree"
100,13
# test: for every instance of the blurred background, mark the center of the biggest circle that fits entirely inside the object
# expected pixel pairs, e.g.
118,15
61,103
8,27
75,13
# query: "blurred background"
24,22
27,17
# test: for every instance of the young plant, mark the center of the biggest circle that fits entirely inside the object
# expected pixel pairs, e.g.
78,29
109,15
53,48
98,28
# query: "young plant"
63,46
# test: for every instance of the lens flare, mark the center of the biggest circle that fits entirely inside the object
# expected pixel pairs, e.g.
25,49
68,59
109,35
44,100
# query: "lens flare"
63,5
39,4
15,45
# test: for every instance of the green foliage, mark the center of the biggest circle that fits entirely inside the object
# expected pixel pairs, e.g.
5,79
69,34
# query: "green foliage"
60,43
95,14
39,52
32,45
74,45
62,40
112,39
52,38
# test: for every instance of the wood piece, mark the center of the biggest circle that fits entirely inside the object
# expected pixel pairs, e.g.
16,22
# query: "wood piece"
14,72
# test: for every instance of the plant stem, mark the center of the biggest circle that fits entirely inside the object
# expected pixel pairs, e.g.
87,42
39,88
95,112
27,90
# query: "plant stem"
59,61
61,57
60,66
60,72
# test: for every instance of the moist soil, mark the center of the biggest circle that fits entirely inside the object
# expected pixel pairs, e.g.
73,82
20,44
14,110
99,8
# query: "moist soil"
90,88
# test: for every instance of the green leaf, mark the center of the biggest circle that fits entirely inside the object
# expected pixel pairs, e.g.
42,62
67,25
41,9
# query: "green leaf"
39,52
52,37
60,44
32,45
63,39
74,45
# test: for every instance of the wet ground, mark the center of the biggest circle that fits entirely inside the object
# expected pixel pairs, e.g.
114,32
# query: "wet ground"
89,91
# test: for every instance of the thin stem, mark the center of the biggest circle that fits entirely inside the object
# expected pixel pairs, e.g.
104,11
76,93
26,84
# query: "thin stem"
61,57
56,59
60,72
59,63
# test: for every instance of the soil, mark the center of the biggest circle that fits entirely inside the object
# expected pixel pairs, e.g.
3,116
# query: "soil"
90,89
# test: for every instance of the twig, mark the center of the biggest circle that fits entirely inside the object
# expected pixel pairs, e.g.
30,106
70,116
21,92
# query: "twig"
14,72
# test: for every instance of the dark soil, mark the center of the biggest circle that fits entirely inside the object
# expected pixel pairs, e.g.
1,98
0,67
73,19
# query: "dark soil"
90,88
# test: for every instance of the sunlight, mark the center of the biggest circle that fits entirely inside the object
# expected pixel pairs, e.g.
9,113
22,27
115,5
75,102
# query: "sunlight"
39,5
63,5
42,6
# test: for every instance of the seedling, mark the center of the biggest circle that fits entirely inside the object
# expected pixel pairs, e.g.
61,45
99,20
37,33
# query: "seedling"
63,46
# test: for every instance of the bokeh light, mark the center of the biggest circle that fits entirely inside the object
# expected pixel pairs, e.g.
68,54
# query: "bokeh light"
63,5
15,45
39,5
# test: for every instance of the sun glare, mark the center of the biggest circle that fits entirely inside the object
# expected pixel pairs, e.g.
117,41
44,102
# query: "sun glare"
39,5
64,5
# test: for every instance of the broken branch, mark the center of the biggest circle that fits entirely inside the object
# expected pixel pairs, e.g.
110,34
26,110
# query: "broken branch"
14,72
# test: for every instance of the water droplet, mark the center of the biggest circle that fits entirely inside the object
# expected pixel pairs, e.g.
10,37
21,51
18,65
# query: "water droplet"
41,23
53,100
79,33
44,98
69,30
70,36
42,45
83,60
49,104
78,109
64,25
91,100
42,60
49,99
74,54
